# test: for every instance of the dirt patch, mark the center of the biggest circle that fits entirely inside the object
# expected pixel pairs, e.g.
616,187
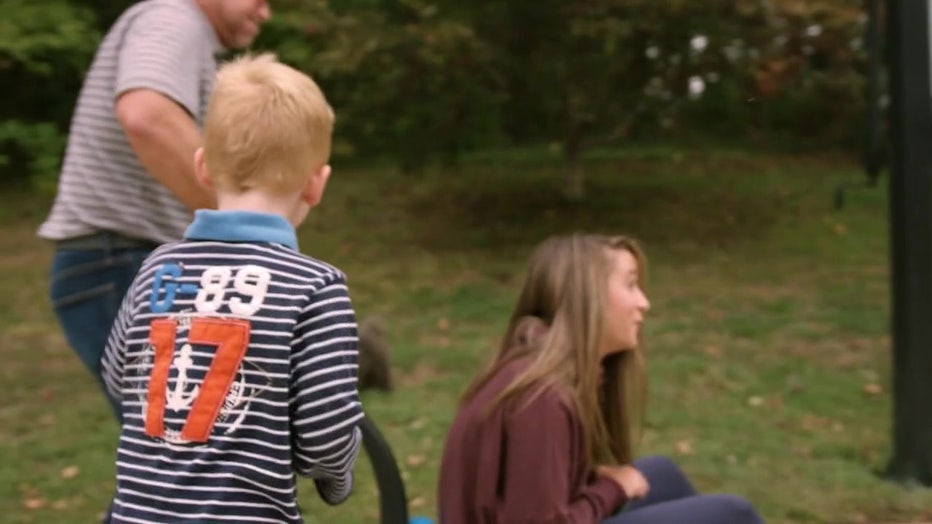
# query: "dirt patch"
421,373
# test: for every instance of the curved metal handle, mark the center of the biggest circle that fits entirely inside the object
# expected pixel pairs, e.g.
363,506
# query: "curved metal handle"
393,502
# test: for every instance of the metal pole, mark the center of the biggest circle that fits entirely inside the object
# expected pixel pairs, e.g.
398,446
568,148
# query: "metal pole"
911,240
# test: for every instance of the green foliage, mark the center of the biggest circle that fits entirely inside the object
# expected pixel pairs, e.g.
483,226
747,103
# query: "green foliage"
36,147
419,80
44,49
406,81
424,81
44,36
106,11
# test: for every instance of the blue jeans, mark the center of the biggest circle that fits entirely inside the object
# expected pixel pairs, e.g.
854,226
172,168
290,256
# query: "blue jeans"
86,289
673,500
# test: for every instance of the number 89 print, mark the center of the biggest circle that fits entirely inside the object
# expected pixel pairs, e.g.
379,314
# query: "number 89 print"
249,281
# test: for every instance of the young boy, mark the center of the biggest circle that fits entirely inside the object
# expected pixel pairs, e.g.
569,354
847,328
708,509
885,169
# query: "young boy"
234,356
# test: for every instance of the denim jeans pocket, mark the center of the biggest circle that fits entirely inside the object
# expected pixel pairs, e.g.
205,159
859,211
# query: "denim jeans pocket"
86,290
74,280
79,276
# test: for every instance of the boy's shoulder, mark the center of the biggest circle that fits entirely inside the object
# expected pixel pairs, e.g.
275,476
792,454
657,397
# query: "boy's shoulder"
321,265
283,259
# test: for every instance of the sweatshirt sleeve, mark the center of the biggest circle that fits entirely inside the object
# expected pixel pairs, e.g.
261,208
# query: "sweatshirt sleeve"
113,359
539,469
324,400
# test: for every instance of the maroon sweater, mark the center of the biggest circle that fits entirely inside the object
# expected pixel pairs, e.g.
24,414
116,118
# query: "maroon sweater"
520,467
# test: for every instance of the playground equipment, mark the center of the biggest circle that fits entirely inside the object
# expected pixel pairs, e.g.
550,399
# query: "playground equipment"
393,501
899,139
910,208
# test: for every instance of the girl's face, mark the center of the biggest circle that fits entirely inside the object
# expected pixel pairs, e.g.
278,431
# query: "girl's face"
625,304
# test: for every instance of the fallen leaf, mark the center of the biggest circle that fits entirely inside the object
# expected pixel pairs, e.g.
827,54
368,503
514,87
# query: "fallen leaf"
415,460
418,502
775,402
815,423
70,472
34,503
873,389
756,401
684,447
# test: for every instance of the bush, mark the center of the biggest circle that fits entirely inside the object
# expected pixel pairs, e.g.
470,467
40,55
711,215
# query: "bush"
45,48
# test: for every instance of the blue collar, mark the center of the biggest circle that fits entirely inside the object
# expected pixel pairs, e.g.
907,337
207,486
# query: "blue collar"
241,226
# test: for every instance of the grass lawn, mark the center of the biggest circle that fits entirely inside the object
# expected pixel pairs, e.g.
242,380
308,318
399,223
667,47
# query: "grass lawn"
768,342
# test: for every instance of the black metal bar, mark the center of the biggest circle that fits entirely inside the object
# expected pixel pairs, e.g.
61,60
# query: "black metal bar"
911,240
393,502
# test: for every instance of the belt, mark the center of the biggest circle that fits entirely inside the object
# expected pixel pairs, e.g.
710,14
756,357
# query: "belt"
105,240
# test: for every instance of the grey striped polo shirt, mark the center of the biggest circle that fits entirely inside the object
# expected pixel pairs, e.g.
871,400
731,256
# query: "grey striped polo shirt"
165,45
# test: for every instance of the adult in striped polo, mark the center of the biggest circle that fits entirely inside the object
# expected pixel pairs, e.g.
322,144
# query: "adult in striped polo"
234,356
127,182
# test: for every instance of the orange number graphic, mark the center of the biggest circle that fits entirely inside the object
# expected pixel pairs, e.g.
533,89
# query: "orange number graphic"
231,336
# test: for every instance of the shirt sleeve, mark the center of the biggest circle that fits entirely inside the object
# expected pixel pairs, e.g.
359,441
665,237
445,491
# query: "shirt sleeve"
162,51
114,356
325,406
538,469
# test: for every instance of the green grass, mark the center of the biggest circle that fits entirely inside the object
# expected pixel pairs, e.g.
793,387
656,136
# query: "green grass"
768,340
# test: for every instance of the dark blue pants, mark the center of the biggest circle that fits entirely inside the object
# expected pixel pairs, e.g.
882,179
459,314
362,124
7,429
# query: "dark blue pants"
673,500
86,289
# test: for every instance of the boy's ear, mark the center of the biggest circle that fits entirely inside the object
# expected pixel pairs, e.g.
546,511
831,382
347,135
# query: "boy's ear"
314,189
200,169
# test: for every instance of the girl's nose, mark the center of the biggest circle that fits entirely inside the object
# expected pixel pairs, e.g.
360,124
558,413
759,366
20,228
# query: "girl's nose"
645,303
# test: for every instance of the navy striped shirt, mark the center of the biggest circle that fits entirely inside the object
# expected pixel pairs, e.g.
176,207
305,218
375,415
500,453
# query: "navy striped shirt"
235,359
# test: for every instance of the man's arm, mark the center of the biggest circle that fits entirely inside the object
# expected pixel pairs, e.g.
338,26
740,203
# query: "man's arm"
164,137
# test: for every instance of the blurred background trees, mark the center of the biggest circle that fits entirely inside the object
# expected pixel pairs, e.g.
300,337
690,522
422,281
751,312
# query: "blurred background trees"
423,82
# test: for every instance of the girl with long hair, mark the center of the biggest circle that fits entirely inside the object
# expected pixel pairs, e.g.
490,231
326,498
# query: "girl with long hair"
545,432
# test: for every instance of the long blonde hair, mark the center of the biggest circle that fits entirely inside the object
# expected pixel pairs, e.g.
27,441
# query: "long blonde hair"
557,323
